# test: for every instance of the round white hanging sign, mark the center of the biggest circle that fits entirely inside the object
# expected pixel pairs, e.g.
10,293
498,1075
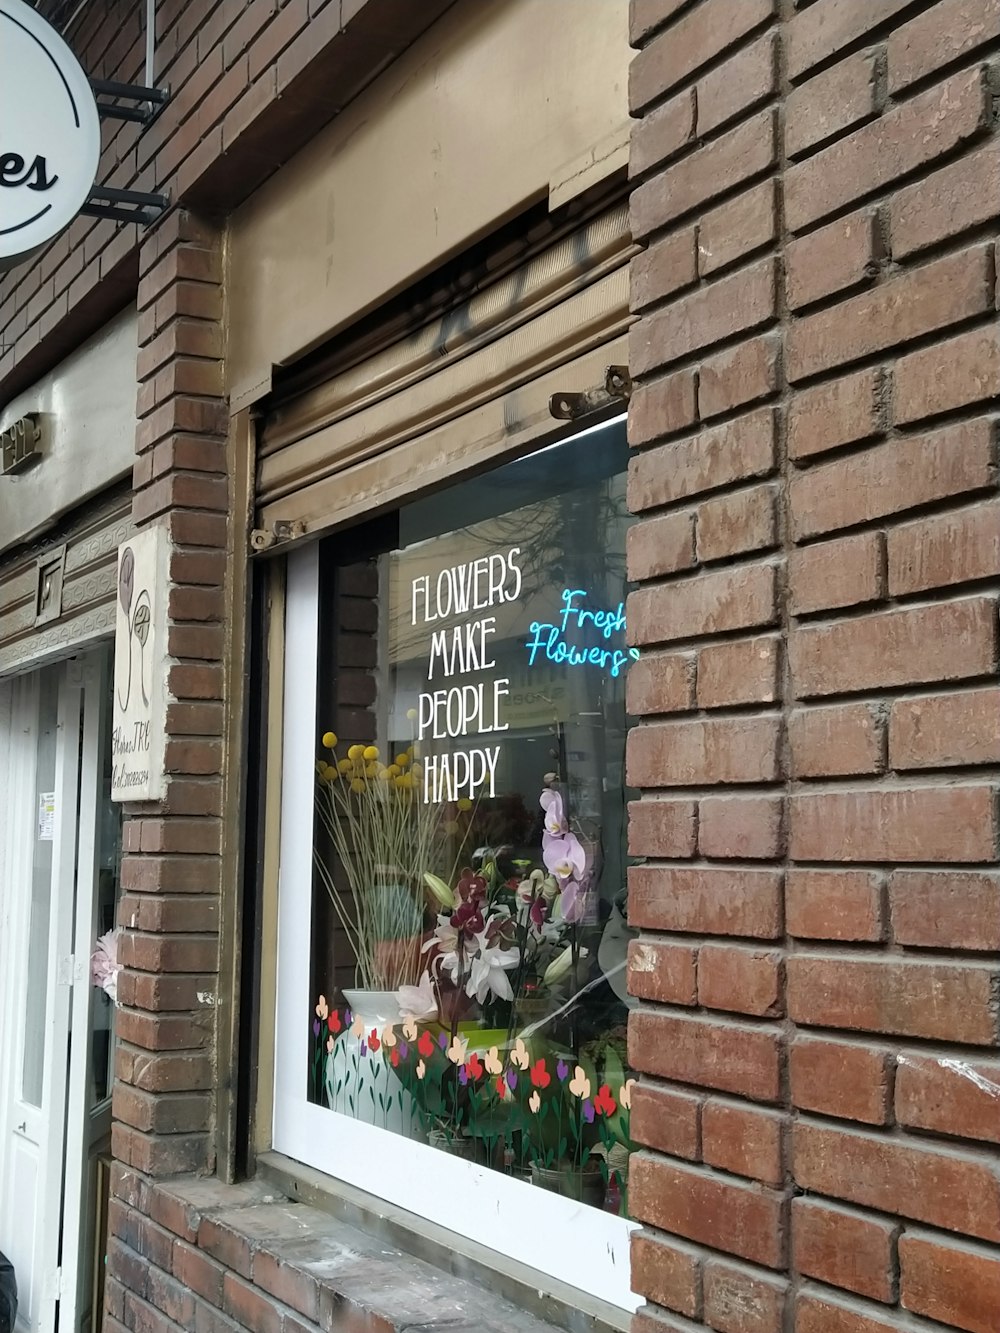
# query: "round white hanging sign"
50,132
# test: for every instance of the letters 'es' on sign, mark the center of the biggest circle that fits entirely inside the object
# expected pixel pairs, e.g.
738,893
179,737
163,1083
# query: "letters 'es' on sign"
50,133
137,742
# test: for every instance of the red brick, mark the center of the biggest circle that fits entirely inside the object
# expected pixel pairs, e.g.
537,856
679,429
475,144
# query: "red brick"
836,742
945,1189
914,302
742,672
742,1300
740,980
835,413
666,1119
962,195
941,1001
667,1272
736,228
840,1078
828,1314
834,905
945,730
945,909
738,85
711,901
938,37
846,571
825,29
737,523
250,1307
708,1052
905,138
662,828
950,374
662,407
736,156
830,103
737,376
956,1284
949,1095
844,1248
947,641
666,267
742,1219
661,135
662,971
955,547
744,1140
647,15
741,827
693,753
691,42
840,256
730,305
725,599
734,451
660,683
659,546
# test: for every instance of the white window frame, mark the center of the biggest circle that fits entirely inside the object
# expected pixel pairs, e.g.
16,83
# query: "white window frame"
569,1242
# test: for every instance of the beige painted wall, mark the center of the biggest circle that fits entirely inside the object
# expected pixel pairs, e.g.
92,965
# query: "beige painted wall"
501,104
88,432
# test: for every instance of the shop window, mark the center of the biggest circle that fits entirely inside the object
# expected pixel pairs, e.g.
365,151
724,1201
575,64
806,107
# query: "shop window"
454,912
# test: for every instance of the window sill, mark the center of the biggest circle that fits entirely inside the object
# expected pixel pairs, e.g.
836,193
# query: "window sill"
468,1276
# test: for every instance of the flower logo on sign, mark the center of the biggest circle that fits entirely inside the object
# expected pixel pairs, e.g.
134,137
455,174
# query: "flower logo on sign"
138,622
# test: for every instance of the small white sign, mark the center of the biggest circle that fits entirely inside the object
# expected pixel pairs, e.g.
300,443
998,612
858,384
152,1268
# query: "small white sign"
46,815
140,669
50,132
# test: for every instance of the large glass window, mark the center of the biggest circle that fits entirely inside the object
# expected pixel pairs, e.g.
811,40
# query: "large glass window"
468,920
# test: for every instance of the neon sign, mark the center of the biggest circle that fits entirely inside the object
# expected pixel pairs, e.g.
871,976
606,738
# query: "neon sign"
549,638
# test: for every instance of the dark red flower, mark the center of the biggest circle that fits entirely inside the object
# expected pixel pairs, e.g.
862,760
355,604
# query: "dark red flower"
604,1103
540,1077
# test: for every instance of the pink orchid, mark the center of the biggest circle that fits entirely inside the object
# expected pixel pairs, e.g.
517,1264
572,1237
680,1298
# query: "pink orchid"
104,964
564,857
551,802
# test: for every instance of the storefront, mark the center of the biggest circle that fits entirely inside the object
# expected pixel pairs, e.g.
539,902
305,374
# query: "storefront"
64,508
440,525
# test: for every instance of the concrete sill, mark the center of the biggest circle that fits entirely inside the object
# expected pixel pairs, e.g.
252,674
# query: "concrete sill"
469,1281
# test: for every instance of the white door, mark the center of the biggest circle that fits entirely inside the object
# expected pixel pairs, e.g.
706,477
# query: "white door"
49,849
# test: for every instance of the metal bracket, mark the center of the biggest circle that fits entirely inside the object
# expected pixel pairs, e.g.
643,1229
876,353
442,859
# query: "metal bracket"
155,98
617,387
125,205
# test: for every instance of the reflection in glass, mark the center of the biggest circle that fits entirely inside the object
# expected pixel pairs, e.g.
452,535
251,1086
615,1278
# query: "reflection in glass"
470,910
41,887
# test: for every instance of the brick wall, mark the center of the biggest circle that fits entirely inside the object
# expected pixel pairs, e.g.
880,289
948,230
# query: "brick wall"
250,81
817,366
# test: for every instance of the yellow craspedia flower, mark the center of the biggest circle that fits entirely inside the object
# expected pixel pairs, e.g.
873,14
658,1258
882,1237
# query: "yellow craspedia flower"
371,770
417,770
356,752
357,784
330,740
411,713
465,803
450,827
345,766
402,759
392,771
384,773
401,782
371,752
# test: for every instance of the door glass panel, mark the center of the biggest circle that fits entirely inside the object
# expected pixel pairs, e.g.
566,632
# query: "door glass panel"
41,887
108,859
